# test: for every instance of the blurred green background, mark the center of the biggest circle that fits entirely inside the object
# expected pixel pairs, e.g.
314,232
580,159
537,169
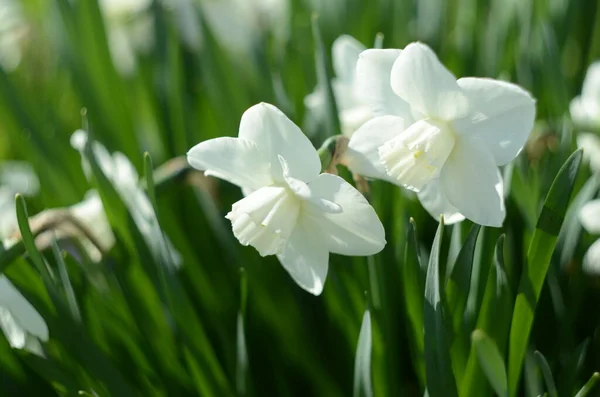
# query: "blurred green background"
159,76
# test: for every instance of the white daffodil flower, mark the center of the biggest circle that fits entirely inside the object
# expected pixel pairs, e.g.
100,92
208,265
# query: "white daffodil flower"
290,209
352,111
585,108
19,321
15,177
119,170
591,149
441,137
589,216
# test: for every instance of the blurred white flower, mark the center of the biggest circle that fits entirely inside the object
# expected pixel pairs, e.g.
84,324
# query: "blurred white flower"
591,149
585,108
438,136
352,111
589,216
18,318
290,210
15,177
84,221
238,24
13,29
127,29
119,170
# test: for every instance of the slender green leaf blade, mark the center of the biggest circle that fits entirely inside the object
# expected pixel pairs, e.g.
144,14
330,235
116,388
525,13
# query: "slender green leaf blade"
491,362
362,363
538,259
440,378
546,373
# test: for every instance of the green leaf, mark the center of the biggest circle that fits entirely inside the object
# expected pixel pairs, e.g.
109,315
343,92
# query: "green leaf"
362,362
491,362
324,80
413,287
538,259
494,320
440,378
589,386
547,373
457,293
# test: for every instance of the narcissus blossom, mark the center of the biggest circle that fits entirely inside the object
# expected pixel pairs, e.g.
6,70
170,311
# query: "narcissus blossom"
289,209
352,110
591,149
589,217
441,137
19,321
585,108
124,178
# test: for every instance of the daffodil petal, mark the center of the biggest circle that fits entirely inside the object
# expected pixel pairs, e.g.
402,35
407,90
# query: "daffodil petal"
373,72
472,183
501,113
589,216
306,259
356,229
434,200
591,259
591,83
235,160
591,149
276,135
344,53
362,155
22,311
420,79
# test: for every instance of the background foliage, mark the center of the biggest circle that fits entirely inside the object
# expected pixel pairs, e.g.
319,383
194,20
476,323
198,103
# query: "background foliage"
127,326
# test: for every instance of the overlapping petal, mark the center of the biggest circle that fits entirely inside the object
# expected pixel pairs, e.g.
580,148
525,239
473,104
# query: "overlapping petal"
373,74
591,149
306,258
589,216
362,155
472,183
276,135
356,229
420,79
591,260
501,114
21,310
434,200
345,51
235,160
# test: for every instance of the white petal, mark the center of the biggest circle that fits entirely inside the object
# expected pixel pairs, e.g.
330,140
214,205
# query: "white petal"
434,200
356,229
22,311
353,118
362,155
591,83
306,259
591,259
344,53
420,79
235,160
275,134
14,333
373,85
90,212
501,113
584,111
589,216
591,149
472,183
